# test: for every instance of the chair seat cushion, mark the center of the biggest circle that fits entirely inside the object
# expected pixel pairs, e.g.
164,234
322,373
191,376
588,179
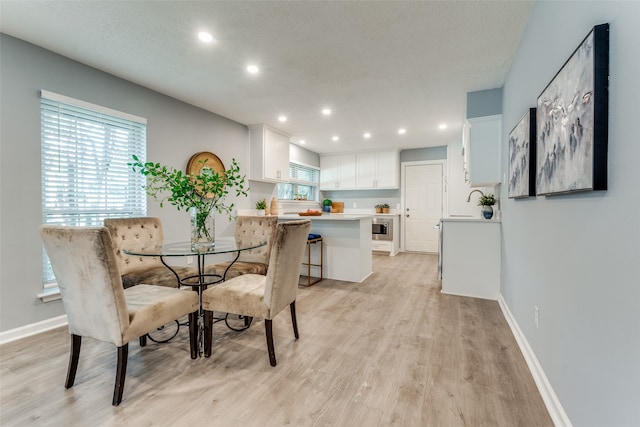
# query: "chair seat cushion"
243,295
159,276
237,269
153,306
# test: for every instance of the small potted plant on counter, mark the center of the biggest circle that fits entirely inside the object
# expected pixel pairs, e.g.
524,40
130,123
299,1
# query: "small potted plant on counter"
261,206
379,208
326,205
385,208
487,201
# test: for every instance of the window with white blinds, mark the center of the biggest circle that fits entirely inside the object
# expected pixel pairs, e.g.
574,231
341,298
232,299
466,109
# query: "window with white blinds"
85,178
302,185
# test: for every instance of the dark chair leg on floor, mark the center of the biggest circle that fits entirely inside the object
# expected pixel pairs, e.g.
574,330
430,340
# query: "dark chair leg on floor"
292,306
269,331
121,372
76,341
208,332
193,334
247,321
143,340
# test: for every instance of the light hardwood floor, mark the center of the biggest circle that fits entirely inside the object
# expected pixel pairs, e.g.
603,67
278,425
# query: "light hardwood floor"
389,351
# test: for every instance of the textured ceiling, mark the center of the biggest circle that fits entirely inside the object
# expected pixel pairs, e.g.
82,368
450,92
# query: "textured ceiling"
378,65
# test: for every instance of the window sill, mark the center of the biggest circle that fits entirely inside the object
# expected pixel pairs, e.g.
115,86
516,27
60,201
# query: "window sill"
50,294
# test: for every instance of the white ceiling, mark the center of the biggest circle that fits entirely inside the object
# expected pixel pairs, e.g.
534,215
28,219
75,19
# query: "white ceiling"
379,65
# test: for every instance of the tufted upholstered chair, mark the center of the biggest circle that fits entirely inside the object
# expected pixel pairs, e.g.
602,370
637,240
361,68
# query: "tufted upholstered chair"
255,295
249,229
97,306
141,233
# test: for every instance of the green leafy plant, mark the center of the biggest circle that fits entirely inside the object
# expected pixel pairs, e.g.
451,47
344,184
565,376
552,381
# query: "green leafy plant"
385,205
326,202
206,192
261,204
487,200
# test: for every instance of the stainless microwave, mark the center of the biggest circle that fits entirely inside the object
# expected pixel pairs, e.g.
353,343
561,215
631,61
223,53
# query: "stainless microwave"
382,228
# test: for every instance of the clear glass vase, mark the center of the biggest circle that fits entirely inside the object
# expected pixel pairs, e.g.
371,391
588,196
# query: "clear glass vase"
203,230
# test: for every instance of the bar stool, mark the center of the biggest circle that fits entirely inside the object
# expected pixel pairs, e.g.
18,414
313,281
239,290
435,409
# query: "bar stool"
312,239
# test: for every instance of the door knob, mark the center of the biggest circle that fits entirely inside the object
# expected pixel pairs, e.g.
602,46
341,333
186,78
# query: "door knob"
407,215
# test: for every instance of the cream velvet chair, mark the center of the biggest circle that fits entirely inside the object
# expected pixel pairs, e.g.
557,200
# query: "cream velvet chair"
142,233
96,304
255,295
251,230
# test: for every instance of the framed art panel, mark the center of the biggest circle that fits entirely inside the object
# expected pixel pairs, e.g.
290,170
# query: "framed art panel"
522,157
572,121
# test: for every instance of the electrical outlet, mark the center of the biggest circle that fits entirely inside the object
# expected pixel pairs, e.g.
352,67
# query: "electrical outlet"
536,315
189,260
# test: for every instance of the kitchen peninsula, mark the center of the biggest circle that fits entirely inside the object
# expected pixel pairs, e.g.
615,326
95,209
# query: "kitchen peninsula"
347,244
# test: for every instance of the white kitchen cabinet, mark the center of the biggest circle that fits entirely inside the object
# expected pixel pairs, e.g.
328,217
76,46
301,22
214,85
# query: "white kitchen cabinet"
269,151
338,172
377,170
470,257
482,151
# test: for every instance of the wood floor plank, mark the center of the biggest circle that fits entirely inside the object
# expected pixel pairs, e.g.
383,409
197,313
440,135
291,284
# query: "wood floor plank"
392,350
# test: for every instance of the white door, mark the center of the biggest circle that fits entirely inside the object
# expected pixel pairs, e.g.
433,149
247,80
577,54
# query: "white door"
422,206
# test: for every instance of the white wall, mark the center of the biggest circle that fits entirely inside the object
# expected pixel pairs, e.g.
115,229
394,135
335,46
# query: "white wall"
175,131
577,257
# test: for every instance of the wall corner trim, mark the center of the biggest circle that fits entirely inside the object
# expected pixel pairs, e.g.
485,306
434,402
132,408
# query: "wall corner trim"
32,329
551,401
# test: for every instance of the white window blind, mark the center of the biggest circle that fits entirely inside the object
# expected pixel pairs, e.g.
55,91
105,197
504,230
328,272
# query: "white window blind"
84,154
303,174
302,185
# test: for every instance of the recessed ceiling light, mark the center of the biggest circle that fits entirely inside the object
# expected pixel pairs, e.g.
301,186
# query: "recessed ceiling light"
326,111
367,135
253,69
282,118
205,37
442,126
302,141
402,131
335,138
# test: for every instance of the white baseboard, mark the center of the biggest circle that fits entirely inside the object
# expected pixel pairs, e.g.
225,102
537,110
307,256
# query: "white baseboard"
32,329
551,401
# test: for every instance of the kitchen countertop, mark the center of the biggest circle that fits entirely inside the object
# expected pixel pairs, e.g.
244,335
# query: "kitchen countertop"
469,219
328,216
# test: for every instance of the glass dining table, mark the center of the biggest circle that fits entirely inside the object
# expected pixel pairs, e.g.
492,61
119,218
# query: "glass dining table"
198,282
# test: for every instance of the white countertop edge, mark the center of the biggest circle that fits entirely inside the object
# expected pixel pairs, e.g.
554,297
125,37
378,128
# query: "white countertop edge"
460,219
329,217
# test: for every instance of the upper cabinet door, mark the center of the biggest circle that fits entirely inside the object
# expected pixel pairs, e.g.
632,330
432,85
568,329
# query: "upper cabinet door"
377,170
338,172
269,154
387,169
484,150
366,165
361,171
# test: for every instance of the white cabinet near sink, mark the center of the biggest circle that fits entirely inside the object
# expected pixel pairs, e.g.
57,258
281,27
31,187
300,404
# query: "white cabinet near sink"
481,150
269,149
470,257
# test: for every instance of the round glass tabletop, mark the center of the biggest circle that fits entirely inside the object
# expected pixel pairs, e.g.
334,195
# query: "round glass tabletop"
222,246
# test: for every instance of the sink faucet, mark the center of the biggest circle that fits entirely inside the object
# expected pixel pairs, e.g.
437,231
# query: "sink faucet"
469,198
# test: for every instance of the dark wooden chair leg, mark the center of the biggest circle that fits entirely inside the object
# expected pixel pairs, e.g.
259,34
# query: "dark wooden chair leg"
76,341
121,372
292,306
193,334
143,340
247,321
208,332
269,332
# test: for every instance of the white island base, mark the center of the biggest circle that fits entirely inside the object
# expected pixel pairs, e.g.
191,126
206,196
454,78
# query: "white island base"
347,245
